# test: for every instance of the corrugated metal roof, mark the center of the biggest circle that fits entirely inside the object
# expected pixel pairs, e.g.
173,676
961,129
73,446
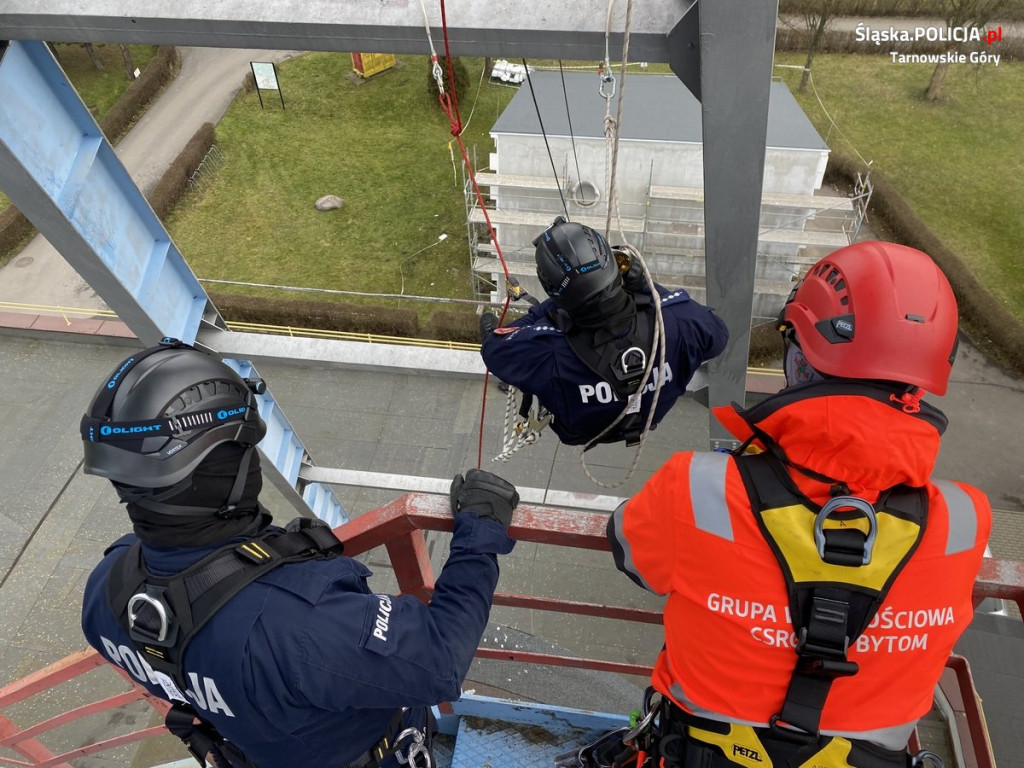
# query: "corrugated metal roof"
657,108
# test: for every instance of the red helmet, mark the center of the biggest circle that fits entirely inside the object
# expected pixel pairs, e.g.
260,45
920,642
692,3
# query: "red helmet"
876,310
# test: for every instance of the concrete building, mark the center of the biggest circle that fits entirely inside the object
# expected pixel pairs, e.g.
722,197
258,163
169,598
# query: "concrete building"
658,182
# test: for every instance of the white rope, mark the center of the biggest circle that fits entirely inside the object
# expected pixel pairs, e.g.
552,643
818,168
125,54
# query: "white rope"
612,125
524,432
435,69
657,343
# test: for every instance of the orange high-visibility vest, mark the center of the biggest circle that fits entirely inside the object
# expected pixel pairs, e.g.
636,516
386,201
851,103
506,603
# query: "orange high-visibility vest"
729,656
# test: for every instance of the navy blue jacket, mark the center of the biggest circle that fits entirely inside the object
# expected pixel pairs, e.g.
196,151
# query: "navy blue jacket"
305,666
535,357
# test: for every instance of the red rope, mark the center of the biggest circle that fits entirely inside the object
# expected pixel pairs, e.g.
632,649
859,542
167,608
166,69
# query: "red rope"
450,105
451,75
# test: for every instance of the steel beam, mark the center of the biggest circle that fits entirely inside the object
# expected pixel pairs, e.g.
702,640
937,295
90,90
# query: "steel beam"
60,171
737,42
516,28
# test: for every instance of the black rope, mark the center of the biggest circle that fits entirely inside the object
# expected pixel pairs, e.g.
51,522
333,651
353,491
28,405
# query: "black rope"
543,133
572,135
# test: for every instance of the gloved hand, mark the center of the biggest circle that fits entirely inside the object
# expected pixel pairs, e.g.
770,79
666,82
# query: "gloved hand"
485,495
302,523
634,279
488,322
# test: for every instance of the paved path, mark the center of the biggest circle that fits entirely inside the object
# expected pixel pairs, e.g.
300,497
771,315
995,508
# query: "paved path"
201,93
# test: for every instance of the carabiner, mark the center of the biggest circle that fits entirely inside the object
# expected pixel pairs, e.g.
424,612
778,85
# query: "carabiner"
417,749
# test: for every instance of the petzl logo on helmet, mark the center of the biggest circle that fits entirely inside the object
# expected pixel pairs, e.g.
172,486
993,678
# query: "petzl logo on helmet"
225,413
120,372
105,430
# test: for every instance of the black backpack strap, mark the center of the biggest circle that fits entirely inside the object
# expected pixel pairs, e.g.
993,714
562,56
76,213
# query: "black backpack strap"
832,603
620,362
201,739
162,615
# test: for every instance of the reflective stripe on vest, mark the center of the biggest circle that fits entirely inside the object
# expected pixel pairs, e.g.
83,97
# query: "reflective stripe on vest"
627,552
963,518
707,494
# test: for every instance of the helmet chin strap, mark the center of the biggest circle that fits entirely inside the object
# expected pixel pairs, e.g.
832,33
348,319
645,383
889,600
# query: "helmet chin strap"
154,500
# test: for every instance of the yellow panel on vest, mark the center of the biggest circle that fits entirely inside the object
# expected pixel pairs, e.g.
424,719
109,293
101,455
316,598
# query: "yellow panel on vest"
792,529
740,745
835,754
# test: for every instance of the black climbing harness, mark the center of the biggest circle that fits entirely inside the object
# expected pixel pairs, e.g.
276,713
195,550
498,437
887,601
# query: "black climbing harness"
621,361
163,614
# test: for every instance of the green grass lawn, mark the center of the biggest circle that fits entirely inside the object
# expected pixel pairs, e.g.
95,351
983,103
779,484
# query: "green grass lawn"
959,163
100,89
383,145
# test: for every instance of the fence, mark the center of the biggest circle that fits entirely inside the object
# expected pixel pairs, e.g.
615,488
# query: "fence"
399,527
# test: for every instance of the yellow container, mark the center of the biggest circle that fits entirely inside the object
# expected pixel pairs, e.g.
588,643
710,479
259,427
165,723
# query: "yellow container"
369,64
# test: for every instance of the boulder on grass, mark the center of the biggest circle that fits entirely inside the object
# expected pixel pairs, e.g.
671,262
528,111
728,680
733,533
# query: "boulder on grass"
329,203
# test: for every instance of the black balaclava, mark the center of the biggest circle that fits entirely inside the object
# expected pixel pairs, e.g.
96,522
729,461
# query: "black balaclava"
208,486
613,310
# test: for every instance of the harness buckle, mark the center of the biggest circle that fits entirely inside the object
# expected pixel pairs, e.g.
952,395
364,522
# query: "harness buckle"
830,668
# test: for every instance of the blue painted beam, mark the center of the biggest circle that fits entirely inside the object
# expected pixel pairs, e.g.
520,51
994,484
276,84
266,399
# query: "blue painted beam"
60,171
282,447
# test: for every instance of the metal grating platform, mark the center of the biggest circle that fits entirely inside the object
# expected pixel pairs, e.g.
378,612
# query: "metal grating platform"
484,742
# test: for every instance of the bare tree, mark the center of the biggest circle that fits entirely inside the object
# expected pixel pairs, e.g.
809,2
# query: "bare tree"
129,61
817,15
93,56
962,13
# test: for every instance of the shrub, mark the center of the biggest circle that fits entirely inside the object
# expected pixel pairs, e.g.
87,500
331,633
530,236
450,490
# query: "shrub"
174,182
455,326
332,316
158,73
14,230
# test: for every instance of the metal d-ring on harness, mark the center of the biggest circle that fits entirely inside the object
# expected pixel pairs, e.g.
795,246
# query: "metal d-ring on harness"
858,546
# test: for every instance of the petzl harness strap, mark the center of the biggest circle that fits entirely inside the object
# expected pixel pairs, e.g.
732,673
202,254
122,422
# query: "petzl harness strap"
162,615
839,561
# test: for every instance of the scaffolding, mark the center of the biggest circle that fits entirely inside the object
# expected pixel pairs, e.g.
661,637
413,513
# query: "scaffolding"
667,226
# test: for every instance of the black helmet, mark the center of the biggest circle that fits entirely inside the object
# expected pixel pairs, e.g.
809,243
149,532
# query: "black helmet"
575,264
160,413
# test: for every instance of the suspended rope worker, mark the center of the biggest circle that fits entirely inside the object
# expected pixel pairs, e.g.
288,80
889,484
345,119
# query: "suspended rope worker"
587,354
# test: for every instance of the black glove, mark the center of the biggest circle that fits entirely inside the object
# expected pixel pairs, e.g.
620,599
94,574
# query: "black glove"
634,280
484,494
488,322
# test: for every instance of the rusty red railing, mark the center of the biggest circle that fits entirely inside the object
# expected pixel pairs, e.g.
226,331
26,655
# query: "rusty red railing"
399,527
